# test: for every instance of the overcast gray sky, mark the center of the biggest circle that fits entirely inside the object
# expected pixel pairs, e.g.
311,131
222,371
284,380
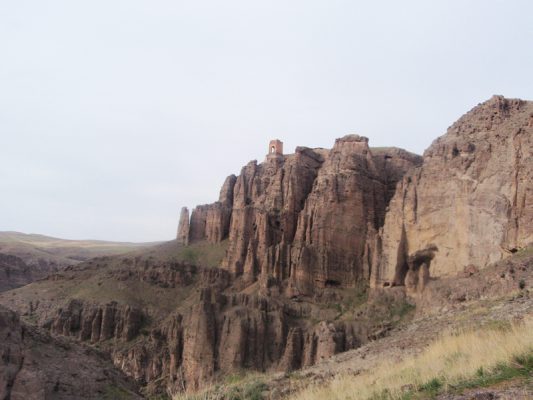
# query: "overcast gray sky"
114,114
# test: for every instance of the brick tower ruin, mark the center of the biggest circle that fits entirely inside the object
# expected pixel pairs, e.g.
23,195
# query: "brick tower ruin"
275,147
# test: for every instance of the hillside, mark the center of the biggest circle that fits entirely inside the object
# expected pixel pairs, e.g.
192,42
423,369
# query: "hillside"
25,258
36,366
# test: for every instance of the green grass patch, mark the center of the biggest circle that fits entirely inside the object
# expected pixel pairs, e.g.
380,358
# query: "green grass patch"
237,386
520,367
112,392
202,253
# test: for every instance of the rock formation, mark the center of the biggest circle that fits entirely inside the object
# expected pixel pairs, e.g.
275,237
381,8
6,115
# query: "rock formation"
311,216
335,239
15,273
470,203
183,227
96,322
211,221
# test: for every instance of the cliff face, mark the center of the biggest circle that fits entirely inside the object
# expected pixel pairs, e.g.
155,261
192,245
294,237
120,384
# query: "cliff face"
470,203
96,322
306,220
336,232
182,236
211,221
267,200
227,333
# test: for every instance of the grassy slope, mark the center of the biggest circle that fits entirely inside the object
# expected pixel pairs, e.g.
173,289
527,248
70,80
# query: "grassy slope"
97,281
453,362
32,247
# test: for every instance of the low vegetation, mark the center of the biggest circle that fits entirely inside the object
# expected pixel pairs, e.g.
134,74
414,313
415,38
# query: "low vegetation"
200,253
453,363
235,387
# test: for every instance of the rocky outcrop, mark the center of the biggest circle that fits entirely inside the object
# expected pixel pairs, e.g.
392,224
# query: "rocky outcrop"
183,227
211,221
268,198
14,272
35,366
335,241
222,334
471,203
311,216
94,323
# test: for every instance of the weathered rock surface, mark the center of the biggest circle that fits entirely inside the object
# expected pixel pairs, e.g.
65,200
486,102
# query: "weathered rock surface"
96,322
267,200
34,366
335,241
183,227
211,221
471,202
311,216
223,334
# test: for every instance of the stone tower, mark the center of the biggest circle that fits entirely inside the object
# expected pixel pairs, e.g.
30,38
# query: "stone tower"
275,147
183,227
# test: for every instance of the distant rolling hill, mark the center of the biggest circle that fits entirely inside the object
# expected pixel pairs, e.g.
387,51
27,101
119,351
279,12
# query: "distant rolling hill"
28,257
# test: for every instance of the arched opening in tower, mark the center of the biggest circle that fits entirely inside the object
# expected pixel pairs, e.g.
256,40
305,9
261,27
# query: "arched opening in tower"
273,150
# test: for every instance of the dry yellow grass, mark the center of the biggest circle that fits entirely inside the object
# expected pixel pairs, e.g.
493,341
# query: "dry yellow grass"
451,358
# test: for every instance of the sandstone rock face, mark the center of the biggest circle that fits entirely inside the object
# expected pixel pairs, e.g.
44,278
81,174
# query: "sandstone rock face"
226,333
311,216
183,227
211,221
471,202
335,240
96,322
267,200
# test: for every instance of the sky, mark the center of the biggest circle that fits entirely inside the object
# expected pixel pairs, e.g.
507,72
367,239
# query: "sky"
115,114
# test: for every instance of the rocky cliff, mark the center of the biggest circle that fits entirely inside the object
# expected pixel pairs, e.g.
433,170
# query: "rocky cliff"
306,220
469,204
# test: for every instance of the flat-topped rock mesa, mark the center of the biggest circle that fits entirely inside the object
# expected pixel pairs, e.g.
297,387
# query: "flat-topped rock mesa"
308,219
469,204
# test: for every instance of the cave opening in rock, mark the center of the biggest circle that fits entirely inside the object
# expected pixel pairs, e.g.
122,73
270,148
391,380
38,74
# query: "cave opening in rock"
332,283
